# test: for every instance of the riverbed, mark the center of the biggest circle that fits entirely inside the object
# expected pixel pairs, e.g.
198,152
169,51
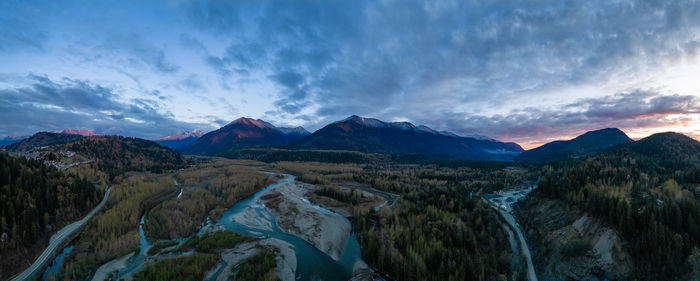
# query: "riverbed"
301,258
312,263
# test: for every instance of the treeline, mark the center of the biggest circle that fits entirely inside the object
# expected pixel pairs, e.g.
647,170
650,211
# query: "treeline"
327,156
407,178
114,231
209,189
115,155
350,197
36,200
633,189
319,173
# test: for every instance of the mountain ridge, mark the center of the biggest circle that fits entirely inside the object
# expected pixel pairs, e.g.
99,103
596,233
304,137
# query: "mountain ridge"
589,143
372,135
179,140
79,132
244,133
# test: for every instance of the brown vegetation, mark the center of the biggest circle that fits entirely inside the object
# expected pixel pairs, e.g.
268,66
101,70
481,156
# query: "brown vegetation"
114,231
209,189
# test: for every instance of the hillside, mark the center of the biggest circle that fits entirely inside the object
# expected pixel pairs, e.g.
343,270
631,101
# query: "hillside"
374,136
115,155
244,133
590,143
36,200
646,191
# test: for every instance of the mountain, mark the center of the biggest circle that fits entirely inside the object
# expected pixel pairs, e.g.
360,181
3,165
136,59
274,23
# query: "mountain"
180,140
590,143
11,139
374,136
79,132
42,139
244,133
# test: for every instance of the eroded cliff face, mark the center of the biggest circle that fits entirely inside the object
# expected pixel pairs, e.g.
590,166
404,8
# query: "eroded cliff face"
568,244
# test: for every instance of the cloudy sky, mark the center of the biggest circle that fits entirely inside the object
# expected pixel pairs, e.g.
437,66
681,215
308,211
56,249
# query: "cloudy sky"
523,71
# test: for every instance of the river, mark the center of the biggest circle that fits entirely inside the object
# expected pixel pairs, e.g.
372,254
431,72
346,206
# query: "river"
312,263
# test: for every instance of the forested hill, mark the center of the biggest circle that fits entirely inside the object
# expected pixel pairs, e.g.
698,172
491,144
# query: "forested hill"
35,200
42,139
115,155
671,151
647,190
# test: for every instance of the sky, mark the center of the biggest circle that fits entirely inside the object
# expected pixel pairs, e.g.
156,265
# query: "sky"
523,71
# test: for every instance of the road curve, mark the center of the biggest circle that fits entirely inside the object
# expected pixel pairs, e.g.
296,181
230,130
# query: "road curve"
57,240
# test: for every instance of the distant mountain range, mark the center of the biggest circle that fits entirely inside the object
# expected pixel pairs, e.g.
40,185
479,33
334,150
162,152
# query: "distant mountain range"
374,136
42,139
244,133
79,132
590,143
11,139
179,140
371,135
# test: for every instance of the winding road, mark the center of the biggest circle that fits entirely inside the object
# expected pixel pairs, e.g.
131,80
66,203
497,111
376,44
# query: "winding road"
503,203
56,240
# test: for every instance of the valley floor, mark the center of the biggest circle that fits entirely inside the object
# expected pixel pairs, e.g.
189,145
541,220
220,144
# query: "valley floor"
290,210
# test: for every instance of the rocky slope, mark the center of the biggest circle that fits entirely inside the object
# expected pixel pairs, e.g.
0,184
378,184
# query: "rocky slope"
569,244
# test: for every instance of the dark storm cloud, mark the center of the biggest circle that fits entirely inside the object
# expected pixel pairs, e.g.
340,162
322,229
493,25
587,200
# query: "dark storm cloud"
49,105
362,57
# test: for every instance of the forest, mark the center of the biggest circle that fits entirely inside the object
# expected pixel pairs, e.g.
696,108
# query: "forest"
646,191
35,200
115,154
438,229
